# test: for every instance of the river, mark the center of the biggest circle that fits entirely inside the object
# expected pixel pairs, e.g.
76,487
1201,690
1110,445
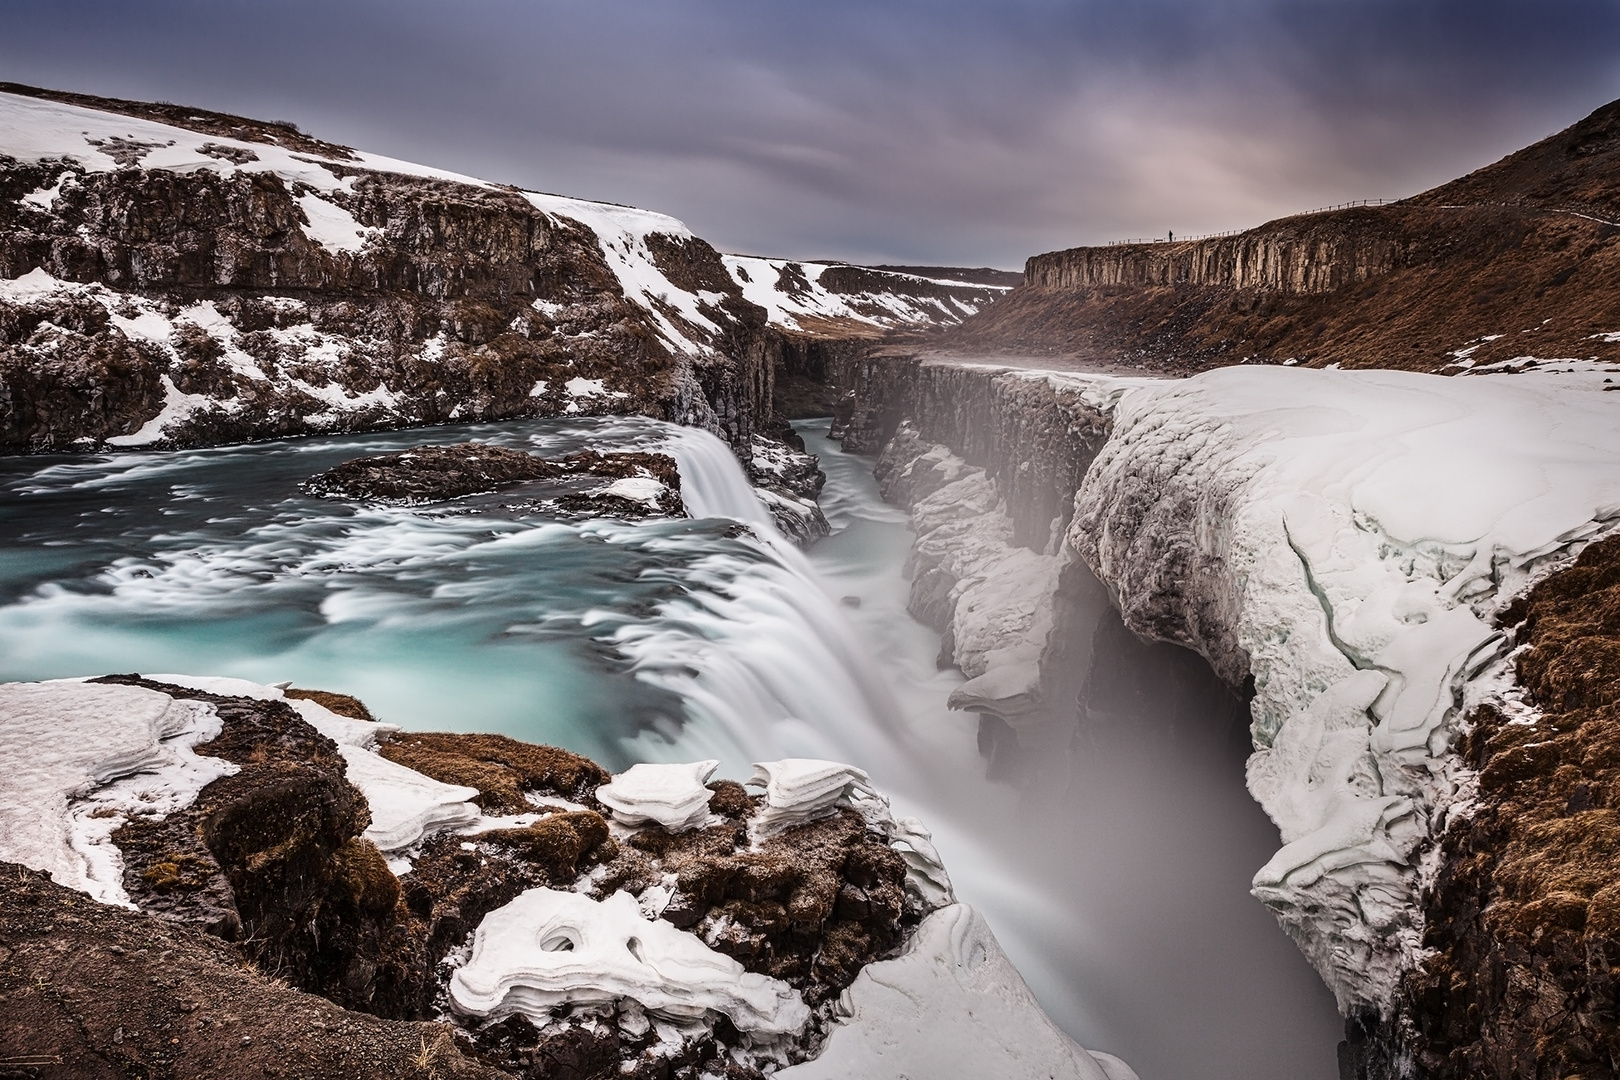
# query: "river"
1119,888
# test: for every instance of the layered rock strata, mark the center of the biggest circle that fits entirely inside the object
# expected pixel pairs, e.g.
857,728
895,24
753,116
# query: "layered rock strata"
1514,262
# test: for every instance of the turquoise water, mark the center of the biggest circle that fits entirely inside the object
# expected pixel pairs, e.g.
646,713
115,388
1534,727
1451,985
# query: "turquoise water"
1122,898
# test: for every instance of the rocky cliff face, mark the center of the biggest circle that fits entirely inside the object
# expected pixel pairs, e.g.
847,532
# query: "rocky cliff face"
1313,254
1518,261
1441,801
173,278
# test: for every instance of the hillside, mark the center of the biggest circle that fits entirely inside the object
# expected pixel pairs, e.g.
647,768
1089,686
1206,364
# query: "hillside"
1520,259
171,276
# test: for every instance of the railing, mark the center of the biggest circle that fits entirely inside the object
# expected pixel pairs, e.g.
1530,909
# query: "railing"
1171,238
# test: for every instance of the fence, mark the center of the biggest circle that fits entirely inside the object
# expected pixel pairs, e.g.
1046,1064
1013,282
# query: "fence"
1167,239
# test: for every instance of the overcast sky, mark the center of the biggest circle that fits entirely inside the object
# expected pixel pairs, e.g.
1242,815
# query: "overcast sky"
944,131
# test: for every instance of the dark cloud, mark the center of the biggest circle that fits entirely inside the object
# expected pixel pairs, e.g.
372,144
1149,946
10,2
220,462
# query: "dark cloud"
910,130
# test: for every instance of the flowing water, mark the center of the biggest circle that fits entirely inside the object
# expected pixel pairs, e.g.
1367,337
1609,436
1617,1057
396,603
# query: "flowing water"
1120,892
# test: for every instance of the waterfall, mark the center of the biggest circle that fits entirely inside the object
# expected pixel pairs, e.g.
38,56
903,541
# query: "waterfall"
754,646
713,484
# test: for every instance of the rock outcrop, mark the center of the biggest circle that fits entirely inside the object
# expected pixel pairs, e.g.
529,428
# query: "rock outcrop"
323,908
174,277
1517,260
623,484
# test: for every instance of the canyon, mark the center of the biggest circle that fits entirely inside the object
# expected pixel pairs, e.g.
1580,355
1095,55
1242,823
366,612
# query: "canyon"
1360,462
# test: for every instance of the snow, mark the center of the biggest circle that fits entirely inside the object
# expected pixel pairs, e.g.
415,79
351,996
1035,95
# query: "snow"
674,796
333,227
78,759
1346,537
547,949
791,291
951,1004
622,232
32,129
177,406
642,489
45,198
801,790
405,805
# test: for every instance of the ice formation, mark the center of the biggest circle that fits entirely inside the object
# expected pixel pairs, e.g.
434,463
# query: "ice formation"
800,790
951,1004
1346,537
673,796
78,759
925,870
548,948
1002,599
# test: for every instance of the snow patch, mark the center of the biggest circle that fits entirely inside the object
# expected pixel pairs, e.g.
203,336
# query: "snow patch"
673,796
548,949
45,198
78,759
333,227
640,489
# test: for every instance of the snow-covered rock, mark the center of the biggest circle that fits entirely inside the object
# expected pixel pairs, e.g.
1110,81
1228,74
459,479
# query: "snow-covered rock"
78,759
814,296
673,796
405,805
801,790
547,949
996,599
951,1005
246,322
1346,538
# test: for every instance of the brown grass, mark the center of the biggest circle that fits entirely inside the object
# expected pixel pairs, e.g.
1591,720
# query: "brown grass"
342,704
1525,916
502,769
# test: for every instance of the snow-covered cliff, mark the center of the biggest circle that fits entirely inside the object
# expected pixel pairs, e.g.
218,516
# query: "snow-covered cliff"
840,299
1345,539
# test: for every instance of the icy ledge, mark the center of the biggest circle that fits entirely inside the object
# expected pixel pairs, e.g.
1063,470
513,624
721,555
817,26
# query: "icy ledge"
1346,538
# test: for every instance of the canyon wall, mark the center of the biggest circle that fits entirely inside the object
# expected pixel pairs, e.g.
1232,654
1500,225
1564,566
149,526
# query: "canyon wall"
1432,766
1515,262
1310,254
164,284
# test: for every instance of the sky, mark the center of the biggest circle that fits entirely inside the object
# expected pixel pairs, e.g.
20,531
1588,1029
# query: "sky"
954,132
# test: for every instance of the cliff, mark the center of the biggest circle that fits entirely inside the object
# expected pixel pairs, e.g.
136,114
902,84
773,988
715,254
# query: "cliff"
174,277
1359,553
1517,260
